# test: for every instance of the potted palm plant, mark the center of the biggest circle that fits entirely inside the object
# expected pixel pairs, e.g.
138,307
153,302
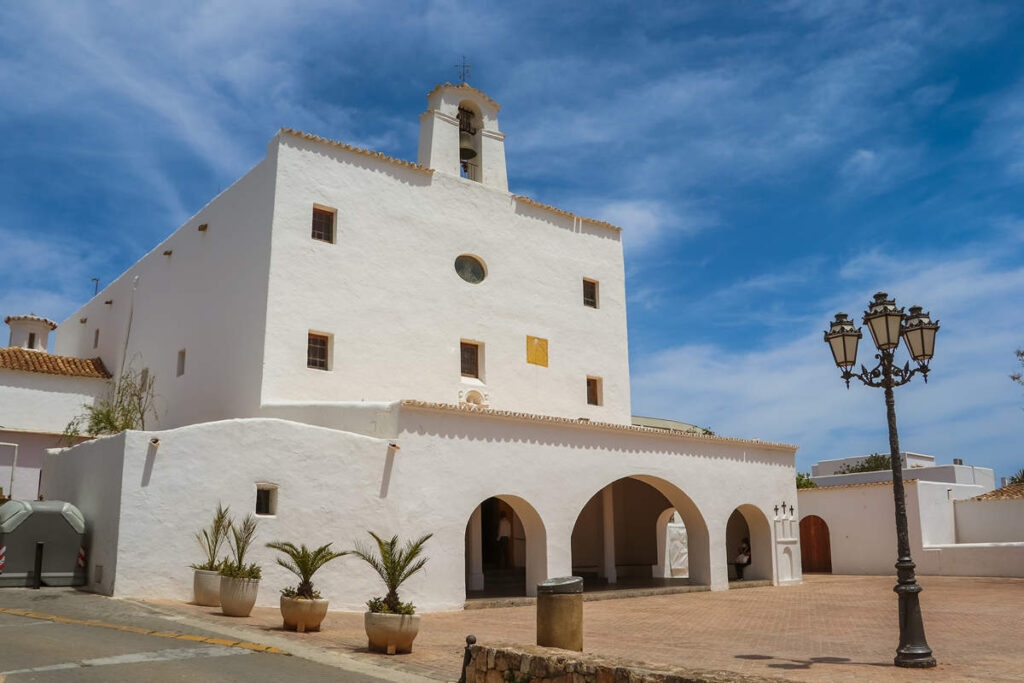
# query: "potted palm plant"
206,577
302,608
239,582
391,625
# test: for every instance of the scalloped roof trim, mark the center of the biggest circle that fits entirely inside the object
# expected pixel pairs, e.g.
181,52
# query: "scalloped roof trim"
358,150
604,426
561,212
31,317
466,86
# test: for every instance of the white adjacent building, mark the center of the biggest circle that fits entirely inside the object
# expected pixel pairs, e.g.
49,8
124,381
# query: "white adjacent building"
957,523
344,341
39,394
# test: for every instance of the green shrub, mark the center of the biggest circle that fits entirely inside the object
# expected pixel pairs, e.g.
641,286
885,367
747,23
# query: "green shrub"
240,540
876,462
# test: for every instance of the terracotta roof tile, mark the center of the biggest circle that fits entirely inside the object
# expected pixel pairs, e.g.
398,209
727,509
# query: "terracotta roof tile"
592,424
32,317
16,358
1008,492
906,482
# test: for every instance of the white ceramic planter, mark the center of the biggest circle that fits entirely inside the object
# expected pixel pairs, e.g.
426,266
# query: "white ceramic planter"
391,633
303,615
206,588
237,596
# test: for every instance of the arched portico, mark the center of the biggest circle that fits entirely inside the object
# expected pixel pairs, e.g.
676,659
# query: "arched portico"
615,538
750,523
521,564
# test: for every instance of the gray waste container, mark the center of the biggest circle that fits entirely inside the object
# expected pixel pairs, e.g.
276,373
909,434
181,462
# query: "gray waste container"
59,526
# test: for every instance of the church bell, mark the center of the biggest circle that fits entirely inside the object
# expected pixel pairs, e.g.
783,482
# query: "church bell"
466,150
466,132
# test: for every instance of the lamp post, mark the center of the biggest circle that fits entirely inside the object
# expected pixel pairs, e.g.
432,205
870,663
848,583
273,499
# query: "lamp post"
887,325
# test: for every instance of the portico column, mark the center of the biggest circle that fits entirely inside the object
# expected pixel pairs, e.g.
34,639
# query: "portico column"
475,551
608,512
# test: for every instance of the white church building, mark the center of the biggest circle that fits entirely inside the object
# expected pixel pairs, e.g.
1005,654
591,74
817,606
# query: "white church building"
342,341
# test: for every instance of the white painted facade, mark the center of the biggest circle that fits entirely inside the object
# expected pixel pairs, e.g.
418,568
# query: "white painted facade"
35,410
334,485
943,539
220,312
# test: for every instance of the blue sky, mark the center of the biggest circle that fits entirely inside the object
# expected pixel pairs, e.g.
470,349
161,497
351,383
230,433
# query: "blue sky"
771,163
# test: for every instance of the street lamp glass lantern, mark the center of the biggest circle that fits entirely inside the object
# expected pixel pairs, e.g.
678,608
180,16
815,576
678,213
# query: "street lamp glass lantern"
919,334
842,338
883,318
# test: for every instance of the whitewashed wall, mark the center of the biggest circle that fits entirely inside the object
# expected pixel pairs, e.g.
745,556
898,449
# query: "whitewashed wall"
336,485
984,477
388,292
862,531
208,297
90,476
989,521
34,410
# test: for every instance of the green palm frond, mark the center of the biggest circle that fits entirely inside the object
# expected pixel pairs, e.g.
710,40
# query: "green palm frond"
304,563
394,564
212,538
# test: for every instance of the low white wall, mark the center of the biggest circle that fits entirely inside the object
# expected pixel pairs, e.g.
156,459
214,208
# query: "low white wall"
862,531
90,476
989,521
333,486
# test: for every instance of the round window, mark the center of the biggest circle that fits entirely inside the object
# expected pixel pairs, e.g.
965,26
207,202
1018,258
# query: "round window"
470,268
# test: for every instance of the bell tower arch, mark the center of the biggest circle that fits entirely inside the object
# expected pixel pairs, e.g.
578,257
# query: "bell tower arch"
459,135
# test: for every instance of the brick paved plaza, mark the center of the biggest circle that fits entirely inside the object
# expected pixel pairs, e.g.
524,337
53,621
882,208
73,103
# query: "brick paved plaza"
829,628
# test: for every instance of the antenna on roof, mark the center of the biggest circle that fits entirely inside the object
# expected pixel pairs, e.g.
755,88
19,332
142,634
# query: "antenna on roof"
95,285
462,69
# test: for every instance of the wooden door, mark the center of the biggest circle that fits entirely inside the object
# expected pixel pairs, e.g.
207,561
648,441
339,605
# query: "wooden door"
815,548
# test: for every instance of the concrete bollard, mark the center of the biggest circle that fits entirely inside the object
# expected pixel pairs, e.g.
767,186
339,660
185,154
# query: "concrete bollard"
560,613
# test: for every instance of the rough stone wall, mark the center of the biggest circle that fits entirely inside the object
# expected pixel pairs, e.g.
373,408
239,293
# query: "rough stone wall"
502,664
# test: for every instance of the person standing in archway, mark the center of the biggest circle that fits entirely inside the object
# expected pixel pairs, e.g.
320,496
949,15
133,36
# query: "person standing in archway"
743,558
504,536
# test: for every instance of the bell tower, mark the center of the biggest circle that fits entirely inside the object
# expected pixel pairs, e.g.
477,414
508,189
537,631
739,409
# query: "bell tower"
459,135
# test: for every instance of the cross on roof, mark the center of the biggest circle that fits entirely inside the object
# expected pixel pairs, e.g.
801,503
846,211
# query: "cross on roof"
463,70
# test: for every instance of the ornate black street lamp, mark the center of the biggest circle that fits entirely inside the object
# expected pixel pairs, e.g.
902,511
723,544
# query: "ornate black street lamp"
887,324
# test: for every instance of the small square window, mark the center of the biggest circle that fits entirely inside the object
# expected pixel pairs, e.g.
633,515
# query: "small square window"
470,359
266,499
590,293
96,338
181,362
323,225
317,352
594,397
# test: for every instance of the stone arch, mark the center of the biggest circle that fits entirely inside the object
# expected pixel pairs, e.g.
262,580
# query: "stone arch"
748,521
609,565
534,549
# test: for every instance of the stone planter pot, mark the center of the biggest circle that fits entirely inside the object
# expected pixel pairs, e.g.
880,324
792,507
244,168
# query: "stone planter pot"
237,596
391,633
302,615
206,588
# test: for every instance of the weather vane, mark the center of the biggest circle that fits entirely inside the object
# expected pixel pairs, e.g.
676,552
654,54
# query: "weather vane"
463,70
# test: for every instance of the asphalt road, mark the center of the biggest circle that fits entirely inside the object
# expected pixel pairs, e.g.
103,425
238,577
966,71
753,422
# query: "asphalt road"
40,649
